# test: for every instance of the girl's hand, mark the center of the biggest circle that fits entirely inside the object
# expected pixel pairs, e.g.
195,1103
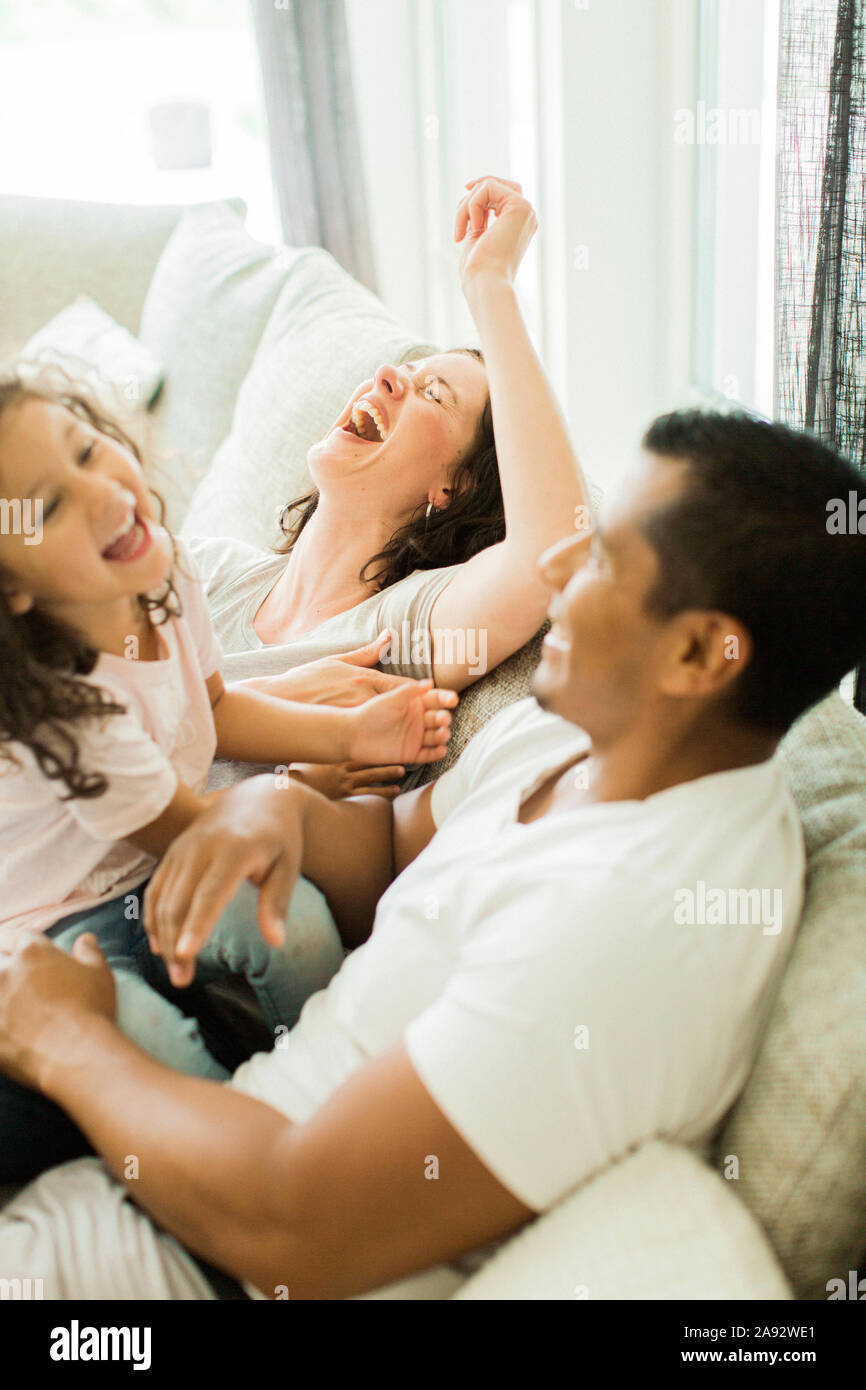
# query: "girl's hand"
338,780
348,679
498,248
409,725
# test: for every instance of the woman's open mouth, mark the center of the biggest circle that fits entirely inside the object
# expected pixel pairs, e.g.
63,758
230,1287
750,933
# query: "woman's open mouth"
132,542
366,423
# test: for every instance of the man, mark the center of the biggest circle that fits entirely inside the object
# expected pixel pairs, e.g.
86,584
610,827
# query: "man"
571,940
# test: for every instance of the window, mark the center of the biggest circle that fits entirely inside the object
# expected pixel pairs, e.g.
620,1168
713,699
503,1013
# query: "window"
445,91
733,343
144,102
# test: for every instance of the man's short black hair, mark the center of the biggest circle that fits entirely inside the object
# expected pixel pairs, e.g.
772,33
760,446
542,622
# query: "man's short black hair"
766,530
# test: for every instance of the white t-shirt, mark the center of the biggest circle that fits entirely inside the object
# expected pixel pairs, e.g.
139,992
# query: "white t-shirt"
62,856
551,997
238,579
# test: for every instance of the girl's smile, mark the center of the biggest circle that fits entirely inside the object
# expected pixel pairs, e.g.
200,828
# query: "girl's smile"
132,543
100,547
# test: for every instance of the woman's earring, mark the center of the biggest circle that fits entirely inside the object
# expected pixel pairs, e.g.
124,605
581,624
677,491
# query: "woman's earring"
427,514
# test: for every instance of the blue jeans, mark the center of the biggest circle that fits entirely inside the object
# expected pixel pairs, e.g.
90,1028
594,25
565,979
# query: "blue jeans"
35,1133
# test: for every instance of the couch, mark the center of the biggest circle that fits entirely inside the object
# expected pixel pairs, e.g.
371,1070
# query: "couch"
261,348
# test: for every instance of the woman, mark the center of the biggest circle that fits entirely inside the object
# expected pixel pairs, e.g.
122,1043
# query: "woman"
417,523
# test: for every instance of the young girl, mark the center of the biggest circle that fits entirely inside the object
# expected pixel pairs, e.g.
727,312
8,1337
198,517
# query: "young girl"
112,708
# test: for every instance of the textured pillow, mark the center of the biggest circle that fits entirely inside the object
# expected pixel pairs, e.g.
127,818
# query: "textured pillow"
52,249
211,295
657,1225
92,347
799,1129
326,335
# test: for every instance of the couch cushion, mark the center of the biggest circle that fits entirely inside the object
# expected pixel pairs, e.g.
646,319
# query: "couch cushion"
210,298
799,1129
659,1225
53,249
92,347
325,336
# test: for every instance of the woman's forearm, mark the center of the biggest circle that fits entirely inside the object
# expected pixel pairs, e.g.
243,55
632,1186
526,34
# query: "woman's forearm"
542,483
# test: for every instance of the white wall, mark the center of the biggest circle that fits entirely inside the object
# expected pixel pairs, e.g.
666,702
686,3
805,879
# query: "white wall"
447,90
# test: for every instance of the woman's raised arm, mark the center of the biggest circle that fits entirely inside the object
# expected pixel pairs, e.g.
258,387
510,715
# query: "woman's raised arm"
497,597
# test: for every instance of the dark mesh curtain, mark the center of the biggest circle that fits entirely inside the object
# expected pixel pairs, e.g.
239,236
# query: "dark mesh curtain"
821,227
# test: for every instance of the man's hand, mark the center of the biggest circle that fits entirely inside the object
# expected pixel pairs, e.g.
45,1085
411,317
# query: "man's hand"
42,991
254,832
347,679
409,725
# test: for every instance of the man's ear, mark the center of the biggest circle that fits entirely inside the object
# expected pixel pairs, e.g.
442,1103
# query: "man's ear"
19,602
707,652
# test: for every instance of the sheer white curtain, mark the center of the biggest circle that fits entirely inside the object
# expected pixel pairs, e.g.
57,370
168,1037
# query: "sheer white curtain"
313,130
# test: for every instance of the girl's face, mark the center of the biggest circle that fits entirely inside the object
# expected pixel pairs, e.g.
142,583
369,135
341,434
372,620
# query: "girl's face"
96,541
403,431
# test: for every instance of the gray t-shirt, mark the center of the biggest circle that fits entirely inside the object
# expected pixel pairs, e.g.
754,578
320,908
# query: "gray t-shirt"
238,577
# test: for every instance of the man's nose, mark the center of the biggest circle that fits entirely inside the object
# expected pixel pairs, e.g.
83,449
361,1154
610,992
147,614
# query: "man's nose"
558,562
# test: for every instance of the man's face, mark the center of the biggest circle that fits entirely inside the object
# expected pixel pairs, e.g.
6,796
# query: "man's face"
603,656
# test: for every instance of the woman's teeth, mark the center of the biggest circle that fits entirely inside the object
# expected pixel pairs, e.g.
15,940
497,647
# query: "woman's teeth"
366,419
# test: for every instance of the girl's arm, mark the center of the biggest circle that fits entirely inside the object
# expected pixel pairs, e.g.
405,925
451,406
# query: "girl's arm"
253,727
498,595
410,724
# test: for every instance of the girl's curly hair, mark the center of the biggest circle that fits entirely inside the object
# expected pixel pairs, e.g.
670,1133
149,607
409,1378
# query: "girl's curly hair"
473,520
42,660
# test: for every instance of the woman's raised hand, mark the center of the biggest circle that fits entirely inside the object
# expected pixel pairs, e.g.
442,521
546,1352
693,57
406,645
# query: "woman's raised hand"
492,248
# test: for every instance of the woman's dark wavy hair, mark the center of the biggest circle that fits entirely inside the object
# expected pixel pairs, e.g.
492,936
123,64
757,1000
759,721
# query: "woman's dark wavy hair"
42,661
473,520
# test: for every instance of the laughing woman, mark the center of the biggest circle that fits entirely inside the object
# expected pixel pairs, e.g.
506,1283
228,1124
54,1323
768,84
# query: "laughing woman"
432,501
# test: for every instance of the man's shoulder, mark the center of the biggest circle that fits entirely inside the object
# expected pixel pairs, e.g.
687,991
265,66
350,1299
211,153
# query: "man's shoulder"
525,727
519,741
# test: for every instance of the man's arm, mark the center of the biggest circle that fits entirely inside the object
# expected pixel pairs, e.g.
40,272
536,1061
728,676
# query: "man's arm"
336,1206
270,834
